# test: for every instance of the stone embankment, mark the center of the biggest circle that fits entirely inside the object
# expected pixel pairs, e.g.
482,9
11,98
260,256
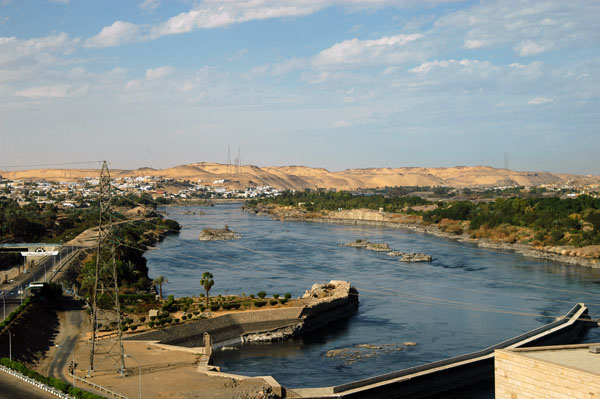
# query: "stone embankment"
321,305
587,256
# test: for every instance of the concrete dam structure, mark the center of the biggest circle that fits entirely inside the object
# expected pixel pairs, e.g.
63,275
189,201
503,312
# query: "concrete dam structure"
444,375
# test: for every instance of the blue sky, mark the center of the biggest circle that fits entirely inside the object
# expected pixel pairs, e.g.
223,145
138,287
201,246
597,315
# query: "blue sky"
323,83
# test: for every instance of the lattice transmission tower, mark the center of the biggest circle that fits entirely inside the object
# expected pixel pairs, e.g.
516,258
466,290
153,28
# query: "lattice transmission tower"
106,311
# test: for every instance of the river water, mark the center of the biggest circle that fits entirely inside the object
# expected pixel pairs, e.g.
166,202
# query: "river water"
465,300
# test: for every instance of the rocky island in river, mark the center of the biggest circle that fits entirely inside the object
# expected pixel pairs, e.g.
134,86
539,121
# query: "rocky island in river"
209,234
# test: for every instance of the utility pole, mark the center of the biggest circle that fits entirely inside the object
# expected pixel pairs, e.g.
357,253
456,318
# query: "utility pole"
106,311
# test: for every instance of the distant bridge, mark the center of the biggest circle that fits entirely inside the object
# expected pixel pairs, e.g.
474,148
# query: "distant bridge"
32,249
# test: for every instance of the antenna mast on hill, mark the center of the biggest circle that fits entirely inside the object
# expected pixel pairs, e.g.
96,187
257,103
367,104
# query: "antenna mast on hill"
106,311
228,160
239,159
506,166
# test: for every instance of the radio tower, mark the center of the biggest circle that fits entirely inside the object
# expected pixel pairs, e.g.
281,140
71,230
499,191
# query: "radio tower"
106,310
228,160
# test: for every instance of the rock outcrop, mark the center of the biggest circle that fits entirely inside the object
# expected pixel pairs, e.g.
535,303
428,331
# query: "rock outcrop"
369,246
209,234
411,257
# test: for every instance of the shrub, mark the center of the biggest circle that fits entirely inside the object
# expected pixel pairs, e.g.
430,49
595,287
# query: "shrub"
176,321
215,307
152,318
283,301
273,302
275,296
262,294
142,319
287,295
124,328
128,320
133,327
252,296
196,313
151,324
260,304
201,295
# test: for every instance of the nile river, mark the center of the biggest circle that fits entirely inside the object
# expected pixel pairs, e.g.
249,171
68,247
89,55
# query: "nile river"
465,300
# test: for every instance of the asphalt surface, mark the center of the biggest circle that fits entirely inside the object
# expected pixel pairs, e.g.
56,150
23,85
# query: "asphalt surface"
13,388
10,291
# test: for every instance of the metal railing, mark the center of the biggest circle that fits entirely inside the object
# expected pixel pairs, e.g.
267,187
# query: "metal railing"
37,384
98,387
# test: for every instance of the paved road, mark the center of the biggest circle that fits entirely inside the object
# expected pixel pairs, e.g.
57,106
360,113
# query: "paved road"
72,327
13,388
11,290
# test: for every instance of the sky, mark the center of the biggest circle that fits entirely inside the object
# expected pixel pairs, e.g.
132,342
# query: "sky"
322,83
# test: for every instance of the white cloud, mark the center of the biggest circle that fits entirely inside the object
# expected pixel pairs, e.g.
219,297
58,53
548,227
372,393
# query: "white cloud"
540,100
116,34
13,49
386,50
159,73
342,123
44,91
210,14
463,66
530,27
214,14
150,5
530,47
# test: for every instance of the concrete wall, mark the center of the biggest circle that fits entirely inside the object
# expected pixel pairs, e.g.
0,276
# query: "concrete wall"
229,328
518,377
221,328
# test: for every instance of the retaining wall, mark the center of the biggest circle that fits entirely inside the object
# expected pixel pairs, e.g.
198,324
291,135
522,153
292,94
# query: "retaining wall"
230,328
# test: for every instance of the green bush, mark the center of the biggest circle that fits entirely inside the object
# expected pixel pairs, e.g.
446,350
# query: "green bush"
152,318
13,315
196,313
262,294
283,301
214,307
275,296
133,327
287,295
260,304
252,296
142,319
151,324
273,302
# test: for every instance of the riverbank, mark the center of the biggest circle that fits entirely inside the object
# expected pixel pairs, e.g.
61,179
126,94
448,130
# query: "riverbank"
319,306
586,256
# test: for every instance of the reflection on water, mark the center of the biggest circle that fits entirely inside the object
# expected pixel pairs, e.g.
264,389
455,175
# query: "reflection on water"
468,298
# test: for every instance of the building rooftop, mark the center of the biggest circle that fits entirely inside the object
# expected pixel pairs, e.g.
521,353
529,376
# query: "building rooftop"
572,356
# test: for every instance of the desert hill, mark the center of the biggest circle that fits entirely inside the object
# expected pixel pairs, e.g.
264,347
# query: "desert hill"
300,177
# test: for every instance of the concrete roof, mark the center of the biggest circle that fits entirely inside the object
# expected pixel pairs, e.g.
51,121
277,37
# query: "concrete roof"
573,356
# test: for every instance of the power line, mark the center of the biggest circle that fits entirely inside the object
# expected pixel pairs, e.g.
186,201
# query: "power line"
51,164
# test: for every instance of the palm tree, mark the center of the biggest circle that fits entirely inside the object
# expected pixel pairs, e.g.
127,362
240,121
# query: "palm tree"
158,282
207,282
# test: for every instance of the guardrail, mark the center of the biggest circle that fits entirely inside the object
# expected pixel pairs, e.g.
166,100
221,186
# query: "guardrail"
98,387
37,384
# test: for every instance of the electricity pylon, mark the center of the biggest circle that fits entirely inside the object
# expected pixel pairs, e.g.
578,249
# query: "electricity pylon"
106,311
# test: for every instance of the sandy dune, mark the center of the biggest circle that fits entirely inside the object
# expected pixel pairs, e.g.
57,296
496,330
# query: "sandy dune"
300,177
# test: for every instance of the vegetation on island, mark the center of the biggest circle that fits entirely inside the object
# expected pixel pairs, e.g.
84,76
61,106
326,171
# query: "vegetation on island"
527,218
